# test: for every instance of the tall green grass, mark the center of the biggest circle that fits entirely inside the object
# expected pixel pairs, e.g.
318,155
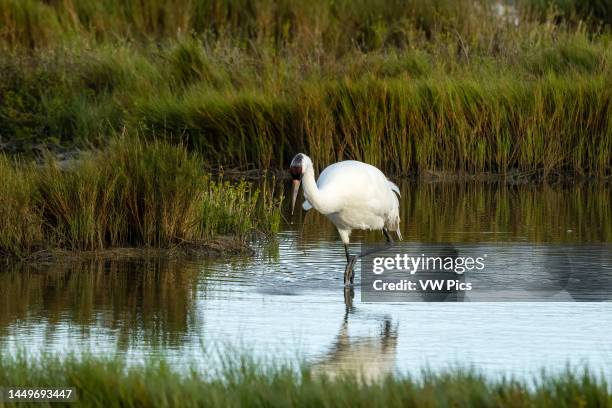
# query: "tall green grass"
549,111
370,23
338,25
19,214
132,193
408,86
244,383
596,12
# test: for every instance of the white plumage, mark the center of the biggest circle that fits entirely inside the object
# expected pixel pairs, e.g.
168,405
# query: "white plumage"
361,198
352,194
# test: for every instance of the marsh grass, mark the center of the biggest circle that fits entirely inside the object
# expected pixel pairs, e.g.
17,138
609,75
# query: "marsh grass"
20,215
597,12
244,382
551,113
131,194
339,25
408,86
225,210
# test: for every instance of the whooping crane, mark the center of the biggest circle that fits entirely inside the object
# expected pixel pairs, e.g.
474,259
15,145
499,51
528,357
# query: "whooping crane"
353,195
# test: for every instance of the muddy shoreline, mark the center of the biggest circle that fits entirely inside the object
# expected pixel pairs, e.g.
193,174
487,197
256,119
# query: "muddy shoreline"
219,248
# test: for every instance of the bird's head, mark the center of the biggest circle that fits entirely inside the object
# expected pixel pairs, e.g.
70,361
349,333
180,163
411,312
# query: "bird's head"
299,165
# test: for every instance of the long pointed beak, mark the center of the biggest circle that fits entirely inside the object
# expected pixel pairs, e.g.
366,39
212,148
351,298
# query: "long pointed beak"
296,188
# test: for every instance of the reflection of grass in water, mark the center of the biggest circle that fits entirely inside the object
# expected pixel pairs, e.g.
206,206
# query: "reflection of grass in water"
147,299
131,194
243,382
495,212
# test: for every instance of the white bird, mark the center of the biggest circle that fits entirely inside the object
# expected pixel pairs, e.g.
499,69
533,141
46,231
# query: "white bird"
353,195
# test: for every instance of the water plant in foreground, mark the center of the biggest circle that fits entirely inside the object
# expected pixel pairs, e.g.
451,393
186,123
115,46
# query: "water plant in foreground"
131,194
110,382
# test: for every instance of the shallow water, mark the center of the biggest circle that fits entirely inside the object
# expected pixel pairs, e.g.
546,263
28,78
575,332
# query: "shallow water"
288,301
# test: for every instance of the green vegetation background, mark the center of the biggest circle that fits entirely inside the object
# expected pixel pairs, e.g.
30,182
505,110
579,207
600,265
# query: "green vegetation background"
157,93
133,193
462,85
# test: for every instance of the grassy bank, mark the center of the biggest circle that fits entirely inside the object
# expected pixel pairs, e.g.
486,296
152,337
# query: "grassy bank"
110,383
131,194
459,86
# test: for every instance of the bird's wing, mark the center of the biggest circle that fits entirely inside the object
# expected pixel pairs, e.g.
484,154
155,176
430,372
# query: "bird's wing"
306,206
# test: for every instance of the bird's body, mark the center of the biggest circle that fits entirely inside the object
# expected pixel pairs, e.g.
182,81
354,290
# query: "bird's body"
353,195
358,196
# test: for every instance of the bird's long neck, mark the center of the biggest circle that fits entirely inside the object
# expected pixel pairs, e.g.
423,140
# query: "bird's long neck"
315,197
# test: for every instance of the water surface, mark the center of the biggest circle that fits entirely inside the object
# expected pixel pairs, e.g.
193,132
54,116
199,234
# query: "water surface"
288,302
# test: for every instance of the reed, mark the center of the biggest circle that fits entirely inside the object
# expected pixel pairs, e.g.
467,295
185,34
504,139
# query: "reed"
597,12
338,24
35,24
243,382
457,86
554,124
132,193
20,216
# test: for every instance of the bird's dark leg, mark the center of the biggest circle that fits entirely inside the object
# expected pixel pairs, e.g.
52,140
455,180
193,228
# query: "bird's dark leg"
351,267
390,241
350,261
349,294
349,272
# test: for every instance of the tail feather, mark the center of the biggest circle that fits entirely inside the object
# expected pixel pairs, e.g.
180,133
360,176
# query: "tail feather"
393,218
394,188
393,223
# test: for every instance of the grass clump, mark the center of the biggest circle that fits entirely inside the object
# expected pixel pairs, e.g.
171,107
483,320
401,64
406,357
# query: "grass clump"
20,216
131,194
226,211
109,383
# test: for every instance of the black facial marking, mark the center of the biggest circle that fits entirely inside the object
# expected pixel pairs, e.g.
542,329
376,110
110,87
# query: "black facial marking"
296,172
